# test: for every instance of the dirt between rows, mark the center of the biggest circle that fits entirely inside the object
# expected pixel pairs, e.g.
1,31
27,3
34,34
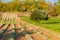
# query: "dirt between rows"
52,35
34,32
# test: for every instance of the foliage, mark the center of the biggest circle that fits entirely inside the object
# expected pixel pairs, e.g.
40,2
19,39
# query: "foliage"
39,15
18,5
57,9
25,5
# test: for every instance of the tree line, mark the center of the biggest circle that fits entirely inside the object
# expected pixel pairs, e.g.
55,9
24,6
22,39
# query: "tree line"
25,5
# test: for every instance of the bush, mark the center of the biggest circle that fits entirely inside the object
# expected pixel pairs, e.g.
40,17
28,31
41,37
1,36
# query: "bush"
38,15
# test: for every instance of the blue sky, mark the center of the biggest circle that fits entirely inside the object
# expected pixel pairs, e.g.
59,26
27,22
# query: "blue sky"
6,0
52,1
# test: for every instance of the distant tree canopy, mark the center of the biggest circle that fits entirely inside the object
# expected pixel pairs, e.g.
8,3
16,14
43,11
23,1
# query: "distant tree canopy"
24,5
28,5
59,1
57,7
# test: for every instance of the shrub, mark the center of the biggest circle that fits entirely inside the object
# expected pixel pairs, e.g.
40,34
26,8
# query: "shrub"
38,15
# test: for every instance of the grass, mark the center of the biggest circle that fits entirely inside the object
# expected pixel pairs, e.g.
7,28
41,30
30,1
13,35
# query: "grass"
52,24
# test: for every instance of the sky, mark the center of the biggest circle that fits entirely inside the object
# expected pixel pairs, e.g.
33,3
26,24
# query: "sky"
6,0
51,1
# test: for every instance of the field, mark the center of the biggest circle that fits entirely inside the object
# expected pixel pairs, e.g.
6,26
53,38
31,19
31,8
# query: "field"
51,24
29,20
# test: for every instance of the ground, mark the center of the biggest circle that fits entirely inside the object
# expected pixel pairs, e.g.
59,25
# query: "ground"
32,30
45,34
51,24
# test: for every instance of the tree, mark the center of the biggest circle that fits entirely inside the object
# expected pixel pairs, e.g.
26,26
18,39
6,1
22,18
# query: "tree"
38,15
57,7
59,1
